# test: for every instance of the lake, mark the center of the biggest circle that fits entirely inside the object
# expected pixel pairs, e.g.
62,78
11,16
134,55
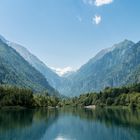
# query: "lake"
69,124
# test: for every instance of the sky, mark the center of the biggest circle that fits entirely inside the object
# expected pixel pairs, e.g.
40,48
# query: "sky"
65,34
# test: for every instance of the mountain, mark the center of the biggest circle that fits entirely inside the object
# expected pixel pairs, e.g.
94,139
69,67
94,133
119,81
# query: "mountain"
53,79
3,39
15,70
63,72
68,74
113,67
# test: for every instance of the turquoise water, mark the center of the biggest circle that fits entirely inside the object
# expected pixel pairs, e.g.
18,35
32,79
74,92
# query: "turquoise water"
69,124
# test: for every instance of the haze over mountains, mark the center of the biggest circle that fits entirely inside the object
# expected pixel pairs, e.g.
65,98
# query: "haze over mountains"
52,77
115,66
110,67
15,70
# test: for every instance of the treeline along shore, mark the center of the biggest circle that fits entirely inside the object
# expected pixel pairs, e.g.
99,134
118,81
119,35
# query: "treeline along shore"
125,96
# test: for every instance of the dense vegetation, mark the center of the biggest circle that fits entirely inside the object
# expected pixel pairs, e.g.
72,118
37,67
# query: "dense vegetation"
124,96
14,96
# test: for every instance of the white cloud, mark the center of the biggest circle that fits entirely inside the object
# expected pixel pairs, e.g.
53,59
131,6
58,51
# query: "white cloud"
62,71
97,2
96,19
102,2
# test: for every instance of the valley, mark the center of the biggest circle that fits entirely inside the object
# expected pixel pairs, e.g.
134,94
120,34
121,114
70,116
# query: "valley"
94,83
69,70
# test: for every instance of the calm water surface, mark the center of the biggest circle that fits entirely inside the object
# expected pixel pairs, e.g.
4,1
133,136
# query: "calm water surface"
69,124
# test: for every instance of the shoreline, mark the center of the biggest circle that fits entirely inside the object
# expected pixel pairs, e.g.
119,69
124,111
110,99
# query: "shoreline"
90,107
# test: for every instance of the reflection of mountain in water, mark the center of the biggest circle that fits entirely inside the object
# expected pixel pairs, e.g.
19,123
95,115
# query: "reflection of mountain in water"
70,124
96,124
25,124
119,117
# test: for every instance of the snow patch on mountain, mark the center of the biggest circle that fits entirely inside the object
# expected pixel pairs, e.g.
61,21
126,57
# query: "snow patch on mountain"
63,71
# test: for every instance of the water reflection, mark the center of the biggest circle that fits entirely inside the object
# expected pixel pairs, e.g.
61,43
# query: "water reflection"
69,124
62,138
25,124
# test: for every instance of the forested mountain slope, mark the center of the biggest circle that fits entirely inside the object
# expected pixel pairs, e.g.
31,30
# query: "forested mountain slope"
15,70
113,67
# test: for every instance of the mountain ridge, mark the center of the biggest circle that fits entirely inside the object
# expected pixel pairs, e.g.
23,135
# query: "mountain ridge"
15,70
115,66
52,77
96,74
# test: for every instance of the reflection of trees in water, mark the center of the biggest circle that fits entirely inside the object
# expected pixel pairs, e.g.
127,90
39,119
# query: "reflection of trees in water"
33,124
18,119
104,124
25,124
82,124
10,119
119,117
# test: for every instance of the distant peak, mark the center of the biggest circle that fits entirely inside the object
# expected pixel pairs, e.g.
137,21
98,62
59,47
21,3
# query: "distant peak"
63,71
138,42
123,44
127,41
3,39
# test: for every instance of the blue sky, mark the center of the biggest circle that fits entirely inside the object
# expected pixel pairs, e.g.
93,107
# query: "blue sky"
69,32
